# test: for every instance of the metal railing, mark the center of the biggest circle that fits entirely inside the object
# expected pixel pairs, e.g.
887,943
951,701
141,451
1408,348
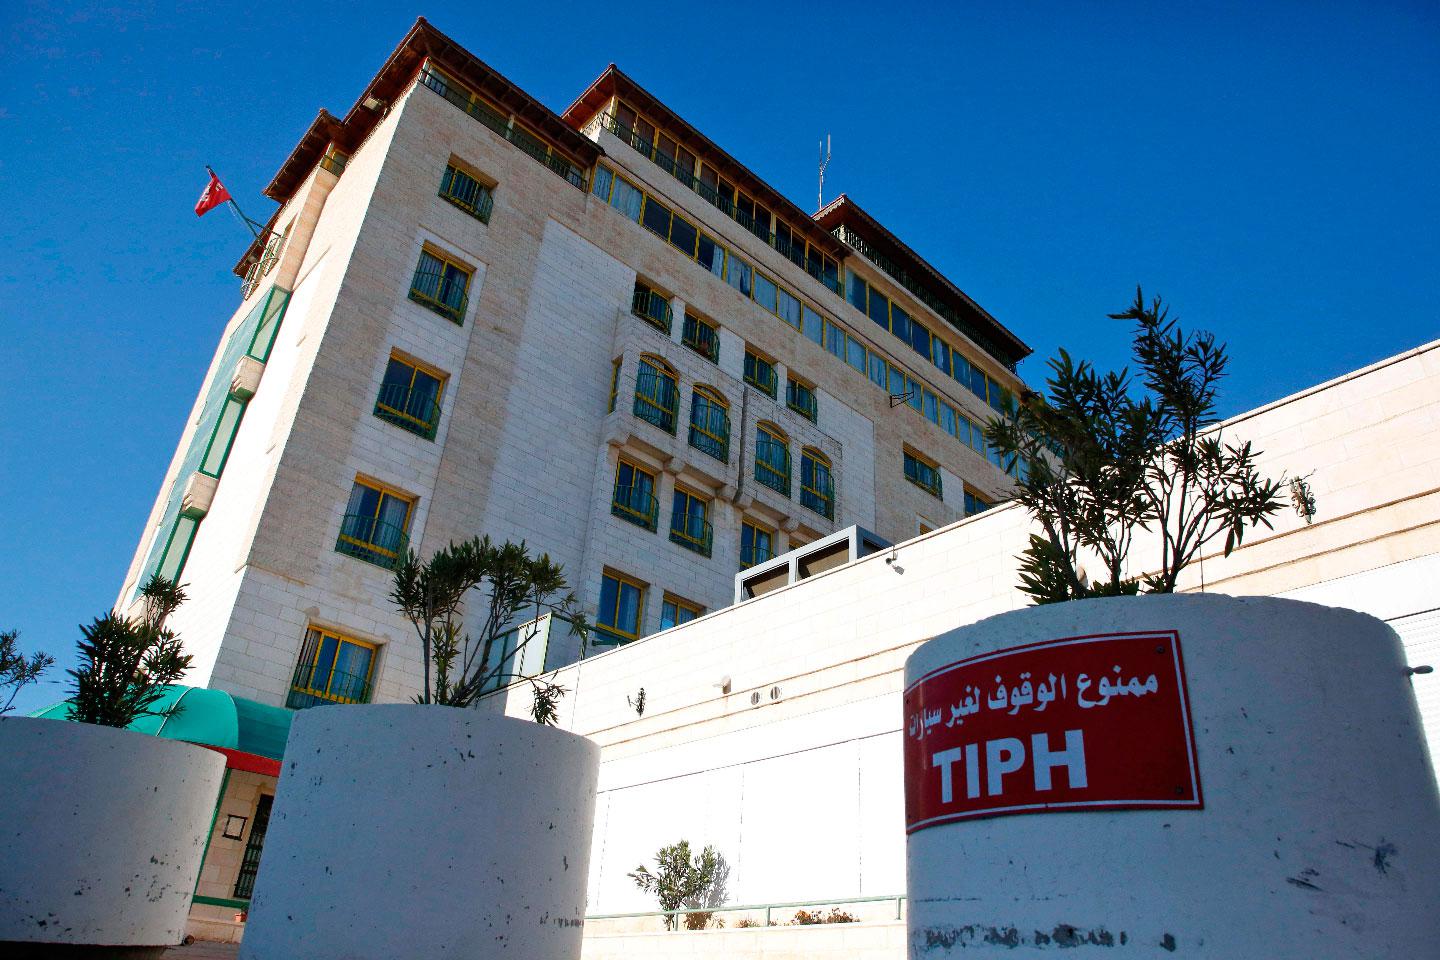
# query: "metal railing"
693,532
372,540
923,476
769,908
478,201
711,434
801,400
558,164
634,504
751,555
818,494
399,404
701,338
762,377
312,686
653,309
719,201
444,296
656,398
772,465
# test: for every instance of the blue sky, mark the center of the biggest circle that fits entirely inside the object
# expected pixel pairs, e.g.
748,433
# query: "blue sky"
1268,168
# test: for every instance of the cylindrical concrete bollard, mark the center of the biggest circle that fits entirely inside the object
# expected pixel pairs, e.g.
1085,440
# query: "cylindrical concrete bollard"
101,834
427,832
1198,775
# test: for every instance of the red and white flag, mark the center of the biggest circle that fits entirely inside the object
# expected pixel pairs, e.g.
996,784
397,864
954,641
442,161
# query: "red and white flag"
214,195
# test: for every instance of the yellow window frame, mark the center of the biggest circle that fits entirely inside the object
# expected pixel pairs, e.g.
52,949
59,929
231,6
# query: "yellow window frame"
755,528
385,490
314,663
640,587
635,467
766,431
614,382
819,459
679,603
416,366
662,369
714,397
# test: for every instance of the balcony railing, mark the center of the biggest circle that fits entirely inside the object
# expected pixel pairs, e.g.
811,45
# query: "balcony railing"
653,309
408,410
801,400
372,540
312,687
636,505
762,377
478,201
693,532
819,495
923,476
751,555
701,338
722,203
772,465
556,163
655,399
446,297
710,433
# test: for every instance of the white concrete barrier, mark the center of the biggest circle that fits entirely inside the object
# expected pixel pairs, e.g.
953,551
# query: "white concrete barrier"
101,833
1313,829
425,831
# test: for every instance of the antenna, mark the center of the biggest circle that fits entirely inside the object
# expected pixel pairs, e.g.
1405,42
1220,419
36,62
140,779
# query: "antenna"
824,162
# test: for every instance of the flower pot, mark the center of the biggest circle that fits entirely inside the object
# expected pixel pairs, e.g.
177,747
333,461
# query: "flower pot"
425,831
1252,782
103,834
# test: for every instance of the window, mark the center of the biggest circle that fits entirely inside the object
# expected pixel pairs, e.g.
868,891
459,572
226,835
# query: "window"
689,522
974,503
622,601
710,424
332,669
738,274
814,325
711,255
760,372
410,396
656,392
467,192
923,473
790,308
614,382
772,458
375,525
766,292
250,860
701,336
627,198
816,489
674,611
441,284
634,496
800,397
855,354
757,544
651,307
932,407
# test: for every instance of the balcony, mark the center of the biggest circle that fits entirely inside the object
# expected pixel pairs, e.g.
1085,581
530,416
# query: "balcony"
408,410
636,505
819,495
923,475
801,399
312,687
474,198
761,375
372,540
772,465
749,556
693,532
702,338
710,433
446,297
653,309
655,399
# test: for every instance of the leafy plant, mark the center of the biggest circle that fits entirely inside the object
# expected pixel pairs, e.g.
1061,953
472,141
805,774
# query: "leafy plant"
435,594
18,671
805,918
125,664
1107,456
680,879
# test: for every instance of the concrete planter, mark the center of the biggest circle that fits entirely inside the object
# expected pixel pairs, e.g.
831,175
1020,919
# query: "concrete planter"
101,836
1317,836
425,831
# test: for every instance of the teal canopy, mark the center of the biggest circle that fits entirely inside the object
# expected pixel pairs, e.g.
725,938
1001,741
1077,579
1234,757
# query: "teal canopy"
211,718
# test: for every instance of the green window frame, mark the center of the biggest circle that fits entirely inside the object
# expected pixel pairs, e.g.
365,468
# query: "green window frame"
376,524
690,522
817,488
332,668
710,423
772,458
924,474
410,395
657,392
441,285
760,373
757,544
633,498
467,191
621,610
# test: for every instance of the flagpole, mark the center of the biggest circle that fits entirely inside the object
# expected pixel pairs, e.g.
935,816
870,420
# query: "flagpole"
235,208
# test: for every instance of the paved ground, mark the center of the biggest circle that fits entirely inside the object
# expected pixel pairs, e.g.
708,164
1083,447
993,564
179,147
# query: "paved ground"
202,950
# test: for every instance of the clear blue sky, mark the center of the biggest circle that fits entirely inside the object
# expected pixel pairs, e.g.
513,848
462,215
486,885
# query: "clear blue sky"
1269,168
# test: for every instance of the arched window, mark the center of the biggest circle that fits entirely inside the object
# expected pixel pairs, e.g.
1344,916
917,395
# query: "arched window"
710,423
772,457
657,395
817,490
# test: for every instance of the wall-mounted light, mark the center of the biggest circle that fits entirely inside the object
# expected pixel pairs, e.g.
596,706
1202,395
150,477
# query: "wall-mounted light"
234,827
372,103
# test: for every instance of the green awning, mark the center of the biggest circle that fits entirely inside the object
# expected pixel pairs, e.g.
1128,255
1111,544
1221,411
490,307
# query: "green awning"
211,718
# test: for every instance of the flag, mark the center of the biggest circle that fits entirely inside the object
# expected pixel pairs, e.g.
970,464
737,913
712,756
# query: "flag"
214,195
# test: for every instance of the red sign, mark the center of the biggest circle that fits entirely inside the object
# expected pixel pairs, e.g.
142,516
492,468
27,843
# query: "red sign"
1083,723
